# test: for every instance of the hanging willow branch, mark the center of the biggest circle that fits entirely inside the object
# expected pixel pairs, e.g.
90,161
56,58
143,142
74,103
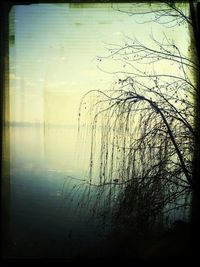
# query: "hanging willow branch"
144,127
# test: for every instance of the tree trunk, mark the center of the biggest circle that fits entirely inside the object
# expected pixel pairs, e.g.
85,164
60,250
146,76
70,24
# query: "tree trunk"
195,214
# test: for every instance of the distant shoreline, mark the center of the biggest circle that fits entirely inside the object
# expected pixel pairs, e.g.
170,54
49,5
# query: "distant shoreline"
37,124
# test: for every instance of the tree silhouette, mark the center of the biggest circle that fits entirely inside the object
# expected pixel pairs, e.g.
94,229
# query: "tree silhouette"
147,123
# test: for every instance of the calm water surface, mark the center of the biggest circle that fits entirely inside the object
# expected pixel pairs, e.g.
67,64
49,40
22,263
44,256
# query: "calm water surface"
45,218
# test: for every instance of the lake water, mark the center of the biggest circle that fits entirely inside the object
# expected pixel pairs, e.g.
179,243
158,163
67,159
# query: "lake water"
46,221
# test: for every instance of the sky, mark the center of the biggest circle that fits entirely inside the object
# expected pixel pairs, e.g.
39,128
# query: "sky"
53,56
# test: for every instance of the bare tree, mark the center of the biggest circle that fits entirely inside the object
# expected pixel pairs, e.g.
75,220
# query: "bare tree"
146,123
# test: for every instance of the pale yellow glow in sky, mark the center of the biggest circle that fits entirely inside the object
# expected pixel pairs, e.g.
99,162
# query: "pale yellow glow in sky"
53,59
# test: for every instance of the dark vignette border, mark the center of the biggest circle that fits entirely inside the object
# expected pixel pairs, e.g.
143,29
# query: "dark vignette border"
5,7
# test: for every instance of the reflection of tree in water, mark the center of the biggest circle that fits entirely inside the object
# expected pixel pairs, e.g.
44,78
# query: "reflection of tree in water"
144,152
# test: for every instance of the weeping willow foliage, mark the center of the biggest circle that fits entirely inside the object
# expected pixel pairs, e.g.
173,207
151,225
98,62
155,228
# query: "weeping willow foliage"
142,132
